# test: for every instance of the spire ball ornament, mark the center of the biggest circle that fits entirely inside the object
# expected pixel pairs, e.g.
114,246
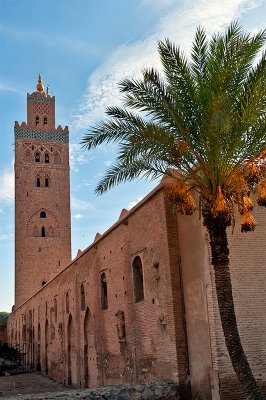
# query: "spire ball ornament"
40,86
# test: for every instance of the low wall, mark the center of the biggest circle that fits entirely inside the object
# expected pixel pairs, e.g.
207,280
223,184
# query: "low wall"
150,391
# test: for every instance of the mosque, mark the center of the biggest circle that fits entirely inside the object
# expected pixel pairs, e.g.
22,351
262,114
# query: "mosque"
139,303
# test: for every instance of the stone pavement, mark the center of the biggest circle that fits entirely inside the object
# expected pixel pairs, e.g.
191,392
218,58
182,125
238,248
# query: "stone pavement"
17,385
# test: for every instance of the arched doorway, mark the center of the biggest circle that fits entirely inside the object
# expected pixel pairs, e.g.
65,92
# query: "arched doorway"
90,357
46,347
70,349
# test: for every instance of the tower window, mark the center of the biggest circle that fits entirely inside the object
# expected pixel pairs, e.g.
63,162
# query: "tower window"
138,279
37,157
37,120
38,182
104,298
46,158
82,297
43,283
44,120
46,182
43,231
42,214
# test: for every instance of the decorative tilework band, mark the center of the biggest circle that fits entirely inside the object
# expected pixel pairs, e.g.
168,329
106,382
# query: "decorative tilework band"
41,135
41,99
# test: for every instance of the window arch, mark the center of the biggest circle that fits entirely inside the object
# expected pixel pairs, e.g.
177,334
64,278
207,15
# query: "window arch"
138,279
67,302
43,231
43,283
42,214
37,120
37,157
45,121
46,158
82,297
38,182
35,231
46,182
104,298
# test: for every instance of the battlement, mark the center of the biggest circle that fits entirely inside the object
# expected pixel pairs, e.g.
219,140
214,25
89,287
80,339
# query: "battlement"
24,125
40,97
24,131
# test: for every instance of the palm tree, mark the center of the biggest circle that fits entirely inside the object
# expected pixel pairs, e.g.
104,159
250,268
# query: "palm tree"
203,123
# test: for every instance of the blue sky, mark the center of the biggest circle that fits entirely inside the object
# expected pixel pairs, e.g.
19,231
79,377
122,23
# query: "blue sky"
83,48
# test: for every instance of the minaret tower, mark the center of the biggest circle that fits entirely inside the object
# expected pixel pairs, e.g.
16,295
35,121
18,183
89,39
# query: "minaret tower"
42,203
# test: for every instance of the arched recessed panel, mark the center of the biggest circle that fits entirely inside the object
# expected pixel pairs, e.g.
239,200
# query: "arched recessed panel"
82,297
104,298
138,279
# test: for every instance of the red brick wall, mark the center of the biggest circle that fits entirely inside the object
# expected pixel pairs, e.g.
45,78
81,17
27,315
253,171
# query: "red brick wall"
153,328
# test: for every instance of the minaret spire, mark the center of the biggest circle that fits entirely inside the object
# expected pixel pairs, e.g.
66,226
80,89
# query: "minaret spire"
40,86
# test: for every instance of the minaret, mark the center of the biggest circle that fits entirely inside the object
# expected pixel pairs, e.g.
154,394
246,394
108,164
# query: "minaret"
42,196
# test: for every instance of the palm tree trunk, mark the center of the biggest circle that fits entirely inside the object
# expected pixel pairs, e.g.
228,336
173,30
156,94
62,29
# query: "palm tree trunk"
220,261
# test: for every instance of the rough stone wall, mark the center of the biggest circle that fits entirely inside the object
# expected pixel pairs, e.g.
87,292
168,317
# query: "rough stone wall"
85,345
42,245
152,391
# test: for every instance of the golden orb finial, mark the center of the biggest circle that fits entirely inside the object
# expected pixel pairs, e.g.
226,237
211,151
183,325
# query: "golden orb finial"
40,86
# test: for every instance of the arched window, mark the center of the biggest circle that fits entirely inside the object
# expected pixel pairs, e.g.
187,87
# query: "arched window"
43,283
104,298
35,231
38,182
46,158
67,302
42,214
43,231
82,297
37,157
138,279
45,121
37,120
46,182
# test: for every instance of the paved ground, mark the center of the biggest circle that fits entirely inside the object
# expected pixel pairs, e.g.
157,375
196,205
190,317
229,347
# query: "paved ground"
17,385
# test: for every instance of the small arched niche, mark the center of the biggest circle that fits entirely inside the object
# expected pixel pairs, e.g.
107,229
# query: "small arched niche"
138,279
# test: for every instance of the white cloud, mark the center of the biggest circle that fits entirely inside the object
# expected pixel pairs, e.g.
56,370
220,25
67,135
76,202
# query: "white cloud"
80,205
7,186
107,163
78,216
78,156
7,88
133,203
178,22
